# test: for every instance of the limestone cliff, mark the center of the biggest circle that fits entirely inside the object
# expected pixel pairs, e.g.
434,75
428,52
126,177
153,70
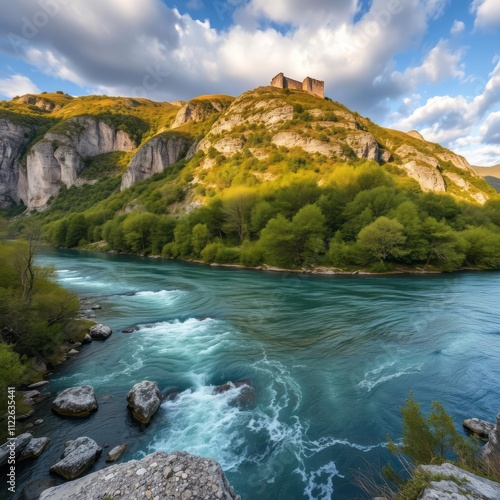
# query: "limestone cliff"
58,158
154,156
196,111
13,141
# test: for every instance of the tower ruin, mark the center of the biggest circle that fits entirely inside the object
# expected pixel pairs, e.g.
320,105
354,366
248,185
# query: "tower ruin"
315,87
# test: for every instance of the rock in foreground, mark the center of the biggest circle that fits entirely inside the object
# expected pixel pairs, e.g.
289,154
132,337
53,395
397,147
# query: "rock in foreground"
75,402
78,456
457,484
160,475
144,399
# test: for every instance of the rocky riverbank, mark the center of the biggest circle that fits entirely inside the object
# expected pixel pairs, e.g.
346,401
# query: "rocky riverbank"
157,476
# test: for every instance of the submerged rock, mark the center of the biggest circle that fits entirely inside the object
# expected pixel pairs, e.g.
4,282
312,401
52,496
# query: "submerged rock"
144,399
479,427
100,332
246,396
78,456
457,484
34,489
115,453
75,402
160,475
129,329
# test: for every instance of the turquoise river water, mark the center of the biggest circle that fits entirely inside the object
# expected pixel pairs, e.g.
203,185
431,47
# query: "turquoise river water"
331,360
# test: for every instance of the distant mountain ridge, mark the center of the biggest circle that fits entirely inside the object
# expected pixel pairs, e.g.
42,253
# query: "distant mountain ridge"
491,175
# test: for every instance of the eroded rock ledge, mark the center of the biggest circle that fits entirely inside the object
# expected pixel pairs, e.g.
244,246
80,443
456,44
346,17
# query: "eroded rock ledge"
160,476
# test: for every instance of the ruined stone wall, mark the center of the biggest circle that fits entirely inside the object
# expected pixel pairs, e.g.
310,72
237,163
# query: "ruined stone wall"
316,87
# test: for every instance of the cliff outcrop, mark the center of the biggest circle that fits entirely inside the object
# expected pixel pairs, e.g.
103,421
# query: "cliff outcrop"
154,156
196,111
13,141
58,158
160,475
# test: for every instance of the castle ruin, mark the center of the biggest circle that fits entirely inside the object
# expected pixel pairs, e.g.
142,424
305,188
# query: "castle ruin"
315,87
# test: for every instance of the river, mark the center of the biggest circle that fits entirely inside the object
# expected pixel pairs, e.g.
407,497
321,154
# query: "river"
331,359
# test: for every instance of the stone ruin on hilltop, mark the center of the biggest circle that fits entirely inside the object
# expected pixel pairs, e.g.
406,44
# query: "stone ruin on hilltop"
315,87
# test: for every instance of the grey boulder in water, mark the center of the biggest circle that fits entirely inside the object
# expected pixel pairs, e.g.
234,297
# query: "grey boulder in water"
144,399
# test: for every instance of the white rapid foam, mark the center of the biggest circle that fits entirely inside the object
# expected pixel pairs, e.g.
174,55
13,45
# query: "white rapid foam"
386,372
205,424
319,483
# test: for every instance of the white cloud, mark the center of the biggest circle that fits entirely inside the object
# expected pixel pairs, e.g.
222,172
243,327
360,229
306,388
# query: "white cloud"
440,64
487,13
490,130
470,125
147,49
17,85
457,28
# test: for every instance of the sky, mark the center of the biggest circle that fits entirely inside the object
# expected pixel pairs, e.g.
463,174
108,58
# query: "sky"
426,65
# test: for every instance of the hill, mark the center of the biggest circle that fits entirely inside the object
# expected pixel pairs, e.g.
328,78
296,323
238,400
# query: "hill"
275,176
491,175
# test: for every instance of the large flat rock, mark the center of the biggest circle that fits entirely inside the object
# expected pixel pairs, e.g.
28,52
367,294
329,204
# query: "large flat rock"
160,475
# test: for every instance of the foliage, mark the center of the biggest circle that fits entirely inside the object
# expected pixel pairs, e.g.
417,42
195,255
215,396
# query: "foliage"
428,440
34,310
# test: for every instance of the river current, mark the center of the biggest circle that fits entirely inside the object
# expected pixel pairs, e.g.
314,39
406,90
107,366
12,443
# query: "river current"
331,360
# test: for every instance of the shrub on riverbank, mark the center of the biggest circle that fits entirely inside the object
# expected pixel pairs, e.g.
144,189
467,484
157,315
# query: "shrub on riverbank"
34,311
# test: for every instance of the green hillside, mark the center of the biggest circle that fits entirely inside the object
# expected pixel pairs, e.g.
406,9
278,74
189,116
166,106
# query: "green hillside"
280,178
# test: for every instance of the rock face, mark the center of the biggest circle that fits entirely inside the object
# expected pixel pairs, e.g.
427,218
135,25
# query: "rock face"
470,487
58,158
75,402
364,145
479,427
292,140
144,399
153,157
13,140
160,475
491,450
196,111
100,332
422,168
78,456
17,445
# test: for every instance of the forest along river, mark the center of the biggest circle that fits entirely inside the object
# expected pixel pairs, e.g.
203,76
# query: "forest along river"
331,359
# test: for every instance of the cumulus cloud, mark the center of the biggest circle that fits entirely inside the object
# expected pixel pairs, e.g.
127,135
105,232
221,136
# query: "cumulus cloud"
487,13
147,49
457,28
17,85
457,122
490,131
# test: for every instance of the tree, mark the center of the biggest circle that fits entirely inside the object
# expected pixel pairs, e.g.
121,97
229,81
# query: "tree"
138,230
297,242
237,205
24,261
483,247
199,238
445,247
76,230
432,439
382,239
